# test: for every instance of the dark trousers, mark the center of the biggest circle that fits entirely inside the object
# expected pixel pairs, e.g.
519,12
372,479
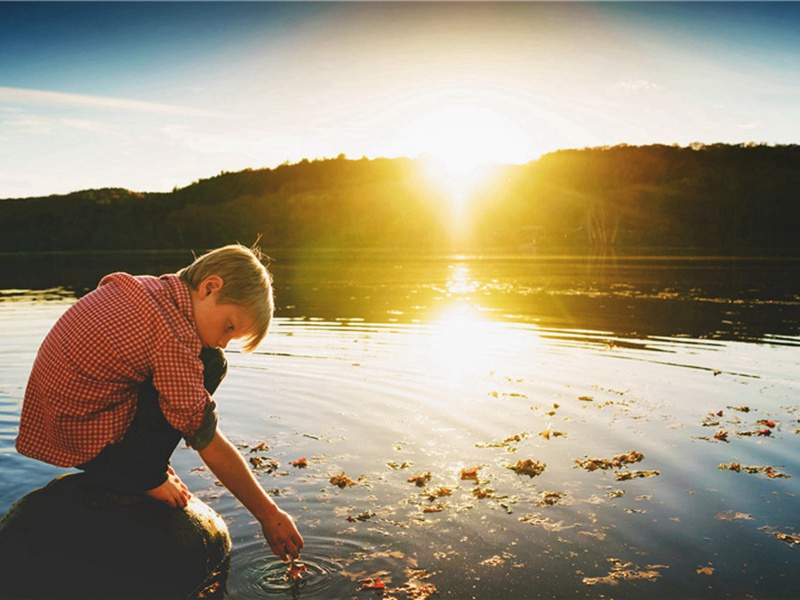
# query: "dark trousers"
139,462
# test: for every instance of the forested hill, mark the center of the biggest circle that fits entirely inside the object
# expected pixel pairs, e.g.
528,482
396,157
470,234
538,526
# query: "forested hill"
718,197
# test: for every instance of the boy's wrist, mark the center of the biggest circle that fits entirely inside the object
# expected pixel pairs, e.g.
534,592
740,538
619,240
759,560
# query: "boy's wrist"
268,512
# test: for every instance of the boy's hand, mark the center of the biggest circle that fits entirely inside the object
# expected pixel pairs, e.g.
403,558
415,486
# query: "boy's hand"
173,491
282,536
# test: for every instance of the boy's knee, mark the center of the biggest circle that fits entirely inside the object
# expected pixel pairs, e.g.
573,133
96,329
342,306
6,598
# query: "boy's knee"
215,366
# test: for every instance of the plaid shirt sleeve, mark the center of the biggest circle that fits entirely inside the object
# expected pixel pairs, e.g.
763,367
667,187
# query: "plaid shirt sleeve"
178,377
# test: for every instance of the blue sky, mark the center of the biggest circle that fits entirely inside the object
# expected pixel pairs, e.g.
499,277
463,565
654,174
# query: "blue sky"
153,95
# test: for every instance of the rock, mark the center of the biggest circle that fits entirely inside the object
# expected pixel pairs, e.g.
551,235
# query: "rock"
69,540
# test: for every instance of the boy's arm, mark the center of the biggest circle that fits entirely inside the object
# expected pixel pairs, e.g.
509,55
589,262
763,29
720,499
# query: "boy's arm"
231,469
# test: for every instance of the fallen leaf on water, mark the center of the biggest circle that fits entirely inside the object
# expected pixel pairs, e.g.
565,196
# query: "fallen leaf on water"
438,507
517,437
421,479
294,570
300,463
481,493
342,480
415,588
268,465
744,409
372,584
259,447
622,572
547,433
766,423
592,464
528,467
404,465
770,472
789,538
733,516
586,398
471,473
626,475
550,498
721,435
545,523
438,493
709,570
766,432
361,517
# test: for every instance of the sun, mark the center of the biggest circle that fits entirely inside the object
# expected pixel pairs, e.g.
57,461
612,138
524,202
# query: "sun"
462,136
461,142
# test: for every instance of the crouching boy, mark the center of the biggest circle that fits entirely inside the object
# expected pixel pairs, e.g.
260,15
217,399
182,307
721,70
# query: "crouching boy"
129,369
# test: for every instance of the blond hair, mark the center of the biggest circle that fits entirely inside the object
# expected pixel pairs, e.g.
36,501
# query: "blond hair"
246,282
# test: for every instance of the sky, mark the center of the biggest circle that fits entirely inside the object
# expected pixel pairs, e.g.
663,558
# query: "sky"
155,95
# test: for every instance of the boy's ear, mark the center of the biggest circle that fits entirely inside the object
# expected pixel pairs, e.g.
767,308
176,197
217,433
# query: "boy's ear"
210,284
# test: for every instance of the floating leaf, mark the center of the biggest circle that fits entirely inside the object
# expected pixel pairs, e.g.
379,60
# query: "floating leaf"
705,570
626,475
528,467
361,517
789,538
547,433
294,570
439,492
770,472
300,463
592,464
721,435
733,516
421,479
470,474
550,498
373,584
622,572
342,480
267,465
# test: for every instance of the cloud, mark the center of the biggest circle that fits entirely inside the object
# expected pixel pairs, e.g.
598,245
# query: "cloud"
20,96
750,125
638,85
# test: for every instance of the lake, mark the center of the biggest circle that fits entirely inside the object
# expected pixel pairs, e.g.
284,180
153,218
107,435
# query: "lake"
509,426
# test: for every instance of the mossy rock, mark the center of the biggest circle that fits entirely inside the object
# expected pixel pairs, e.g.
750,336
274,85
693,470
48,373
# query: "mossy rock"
69,540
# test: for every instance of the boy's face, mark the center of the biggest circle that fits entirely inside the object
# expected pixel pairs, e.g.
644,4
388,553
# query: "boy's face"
218,323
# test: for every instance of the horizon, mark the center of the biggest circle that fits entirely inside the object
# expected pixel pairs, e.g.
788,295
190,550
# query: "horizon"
155,96
438,175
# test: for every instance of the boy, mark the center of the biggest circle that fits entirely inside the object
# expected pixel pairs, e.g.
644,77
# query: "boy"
129,369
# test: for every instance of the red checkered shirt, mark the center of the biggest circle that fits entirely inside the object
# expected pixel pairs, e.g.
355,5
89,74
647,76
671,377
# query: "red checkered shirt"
81,394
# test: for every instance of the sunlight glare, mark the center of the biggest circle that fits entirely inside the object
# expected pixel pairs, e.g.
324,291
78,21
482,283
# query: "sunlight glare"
463,144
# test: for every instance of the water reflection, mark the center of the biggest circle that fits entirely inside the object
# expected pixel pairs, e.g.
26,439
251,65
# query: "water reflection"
746,299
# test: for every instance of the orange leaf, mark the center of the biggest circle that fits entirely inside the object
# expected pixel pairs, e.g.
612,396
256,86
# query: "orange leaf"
471,473
375,584
294,570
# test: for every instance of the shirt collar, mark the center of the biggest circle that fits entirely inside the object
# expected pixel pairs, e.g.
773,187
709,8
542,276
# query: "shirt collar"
179,292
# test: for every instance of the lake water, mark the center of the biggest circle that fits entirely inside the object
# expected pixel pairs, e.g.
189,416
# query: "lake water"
391,368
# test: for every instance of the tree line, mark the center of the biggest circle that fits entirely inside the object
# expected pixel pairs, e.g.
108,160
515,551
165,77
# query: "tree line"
716,197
